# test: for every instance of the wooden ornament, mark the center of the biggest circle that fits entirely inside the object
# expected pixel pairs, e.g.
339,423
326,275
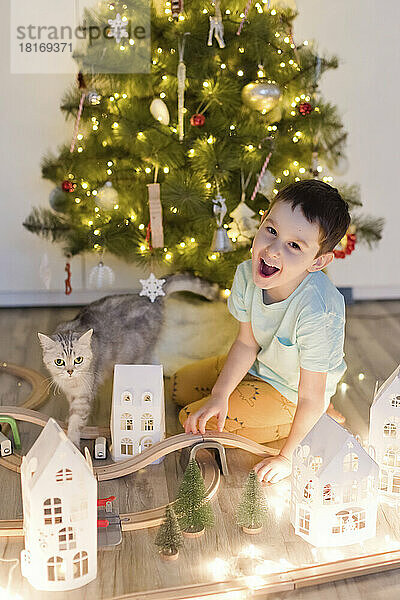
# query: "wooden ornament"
157,232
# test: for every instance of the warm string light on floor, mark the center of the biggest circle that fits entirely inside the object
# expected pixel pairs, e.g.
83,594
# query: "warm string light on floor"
5,593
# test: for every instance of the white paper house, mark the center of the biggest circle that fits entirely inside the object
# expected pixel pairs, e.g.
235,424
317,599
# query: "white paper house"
334,487
59,494
384,435
138,413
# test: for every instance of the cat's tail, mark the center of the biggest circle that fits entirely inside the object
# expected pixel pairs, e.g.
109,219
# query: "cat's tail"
186,282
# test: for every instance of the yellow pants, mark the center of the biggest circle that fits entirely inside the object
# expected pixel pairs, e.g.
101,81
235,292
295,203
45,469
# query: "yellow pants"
256,410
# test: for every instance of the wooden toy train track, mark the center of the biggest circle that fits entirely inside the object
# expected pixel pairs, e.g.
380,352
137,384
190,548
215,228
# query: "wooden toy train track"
131,521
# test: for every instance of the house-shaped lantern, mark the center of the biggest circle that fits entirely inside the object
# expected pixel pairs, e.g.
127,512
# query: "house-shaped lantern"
334,487
137,414
59,494
384,435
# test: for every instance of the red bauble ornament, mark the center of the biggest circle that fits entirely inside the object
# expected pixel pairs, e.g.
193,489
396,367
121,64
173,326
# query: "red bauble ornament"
197,120
305,108
339,253
350,245
68,186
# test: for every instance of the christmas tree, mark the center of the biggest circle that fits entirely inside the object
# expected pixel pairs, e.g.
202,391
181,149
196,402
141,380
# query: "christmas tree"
252,510
171,169
193,510
169,536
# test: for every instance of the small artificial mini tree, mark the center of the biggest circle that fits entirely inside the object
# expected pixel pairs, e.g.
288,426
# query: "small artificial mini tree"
169,536
252,510
193,510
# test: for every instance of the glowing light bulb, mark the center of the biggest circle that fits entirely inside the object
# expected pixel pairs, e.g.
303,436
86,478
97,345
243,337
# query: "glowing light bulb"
205,84
116,206
223,66
208,185
226,293
142,247
240,73
141,226
162,95
213,257
305,43
166,169
273,12
343,387
80,136
302,170
96,232
361,376
168,256
147,170
241,50
96,209
77,200
115,125
182,244
192,240
80,149
90,223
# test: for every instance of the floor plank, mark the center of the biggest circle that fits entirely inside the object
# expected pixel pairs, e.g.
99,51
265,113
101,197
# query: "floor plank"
372,347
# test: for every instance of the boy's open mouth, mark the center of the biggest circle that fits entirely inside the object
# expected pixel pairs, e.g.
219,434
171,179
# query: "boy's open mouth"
267,270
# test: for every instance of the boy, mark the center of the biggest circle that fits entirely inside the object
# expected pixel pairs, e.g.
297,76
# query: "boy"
289,349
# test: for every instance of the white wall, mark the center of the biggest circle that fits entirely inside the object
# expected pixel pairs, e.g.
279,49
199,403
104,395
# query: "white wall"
365,88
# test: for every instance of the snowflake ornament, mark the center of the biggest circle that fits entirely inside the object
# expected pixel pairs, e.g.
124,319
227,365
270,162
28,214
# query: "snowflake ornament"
117,28
152,287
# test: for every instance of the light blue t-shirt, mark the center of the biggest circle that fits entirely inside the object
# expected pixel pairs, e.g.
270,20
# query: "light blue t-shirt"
304,330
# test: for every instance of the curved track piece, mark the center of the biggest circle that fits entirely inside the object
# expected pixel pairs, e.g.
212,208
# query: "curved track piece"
36,380
146,518
125,467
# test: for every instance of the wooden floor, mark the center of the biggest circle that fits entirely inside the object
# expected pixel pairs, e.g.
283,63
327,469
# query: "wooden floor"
372,347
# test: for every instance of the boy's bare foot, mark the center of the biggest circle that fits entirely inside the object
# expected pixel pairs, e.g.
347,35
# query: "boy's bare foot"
336,415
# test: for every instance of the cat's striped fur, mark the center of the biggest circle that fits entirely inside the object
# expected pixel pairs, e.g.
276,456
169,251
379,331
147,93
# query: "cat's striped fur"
118,329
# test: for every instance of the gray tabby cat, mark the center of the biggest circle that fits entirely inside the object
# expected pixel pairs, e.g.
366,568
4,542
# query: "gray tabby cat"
119,329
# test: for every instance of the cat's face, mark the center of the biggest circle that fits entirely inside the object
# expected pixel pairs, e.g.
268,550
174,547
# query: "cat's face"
67,356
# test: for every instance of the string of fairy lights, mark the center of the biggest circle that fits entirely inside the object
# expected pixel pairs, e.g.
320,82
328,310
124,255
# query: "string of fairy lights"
114,100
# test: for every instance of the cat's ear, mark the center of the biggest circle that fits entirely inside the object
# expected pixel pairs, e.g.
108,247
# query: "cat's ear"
45,341
86,337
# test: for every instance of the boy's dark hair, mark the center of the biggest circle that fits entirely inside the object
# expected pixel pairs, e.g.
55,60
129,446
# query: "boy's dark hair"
319,203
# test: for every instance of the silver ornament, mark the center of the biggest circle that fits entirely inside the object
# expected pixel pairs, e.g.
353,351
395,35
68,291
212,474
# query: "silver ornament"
93,97
101,275
261,95
220,241
107,196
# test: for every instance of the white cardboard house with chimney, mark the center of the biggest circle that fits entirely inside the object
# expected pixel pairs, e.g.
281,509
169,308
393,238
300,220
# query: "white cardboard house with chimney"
138,413
59,494
384,435
334,487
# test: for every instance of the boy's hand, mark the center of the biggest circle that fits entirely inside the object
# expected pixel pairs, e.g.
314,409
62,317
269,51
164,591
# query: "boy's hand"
272,470
216,406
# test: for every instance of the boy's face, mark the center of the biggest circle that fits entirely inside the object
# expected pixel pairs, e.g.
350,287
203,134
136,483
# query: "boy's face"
287,241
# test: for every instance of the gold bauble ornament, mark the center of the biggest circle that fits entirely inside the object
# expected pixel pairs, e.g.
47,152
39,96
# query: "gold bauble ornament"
261,95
